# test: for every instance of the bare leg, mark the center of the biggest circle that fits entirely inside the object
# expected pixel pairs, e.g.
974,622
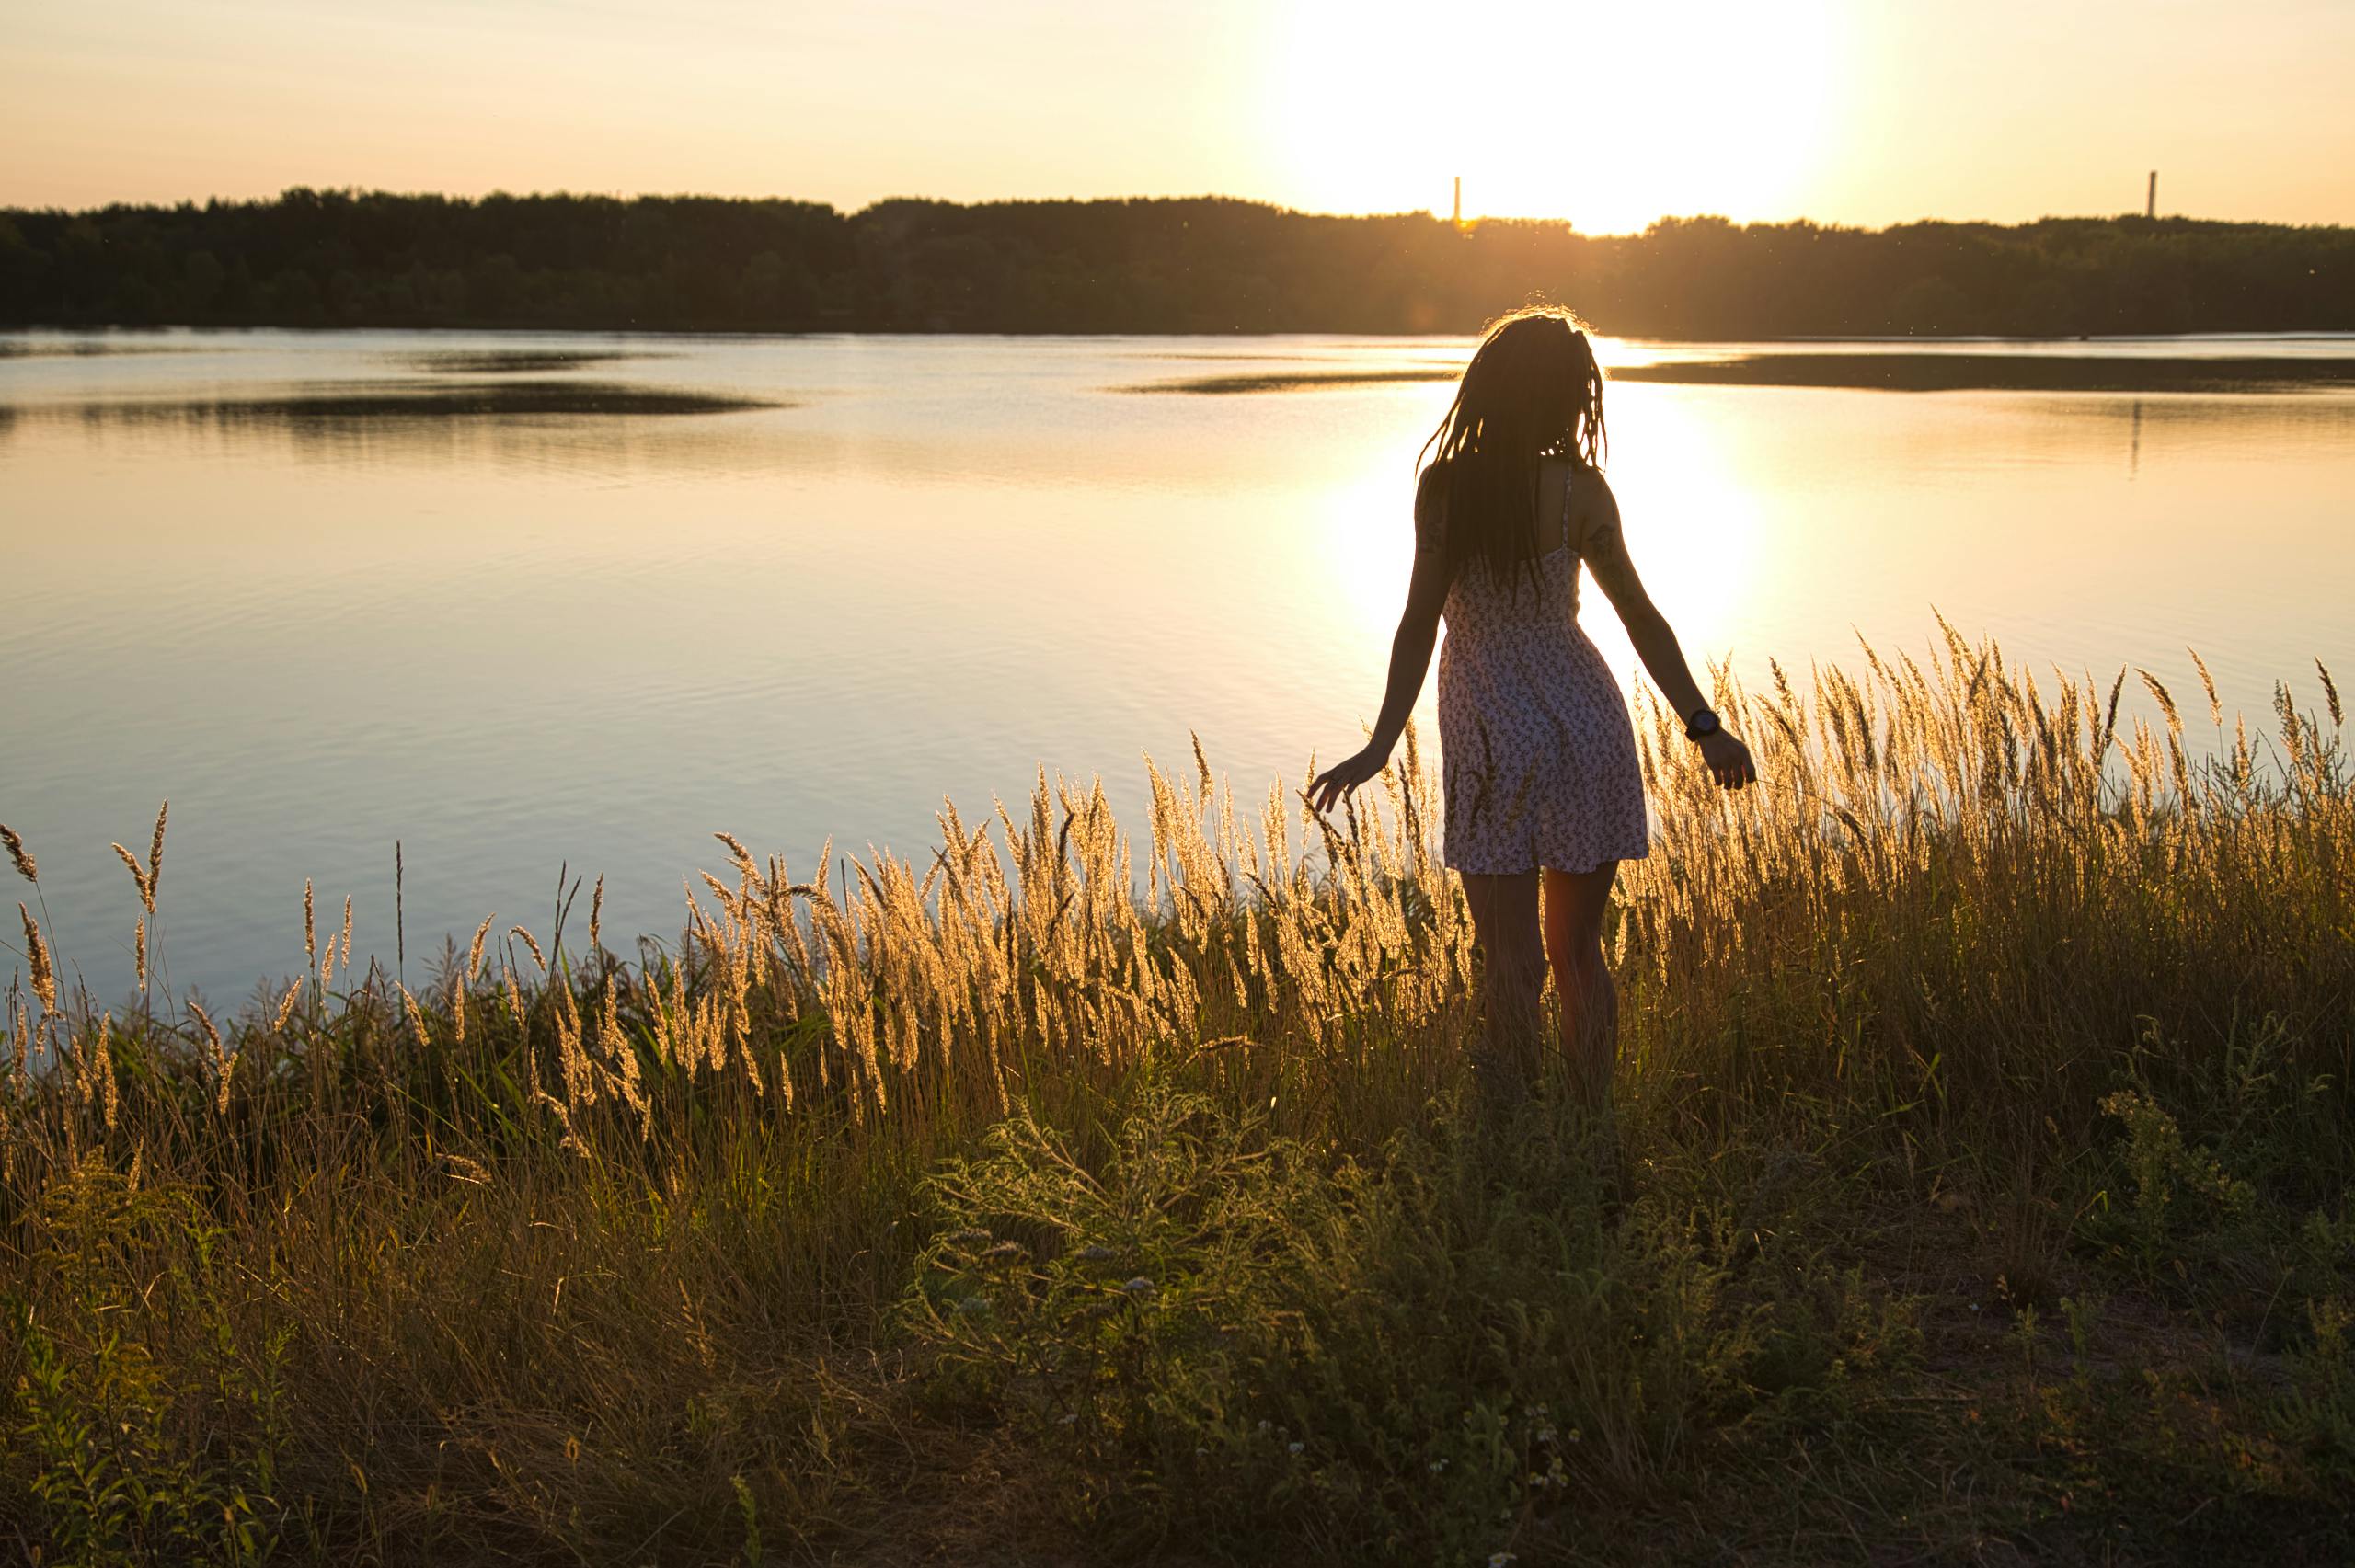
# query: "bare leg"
1505,924
1589,1004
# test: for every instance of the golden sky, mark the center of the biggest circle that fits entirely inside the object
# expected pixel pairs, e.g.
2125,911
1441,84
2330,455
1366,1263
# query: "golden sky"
1854,111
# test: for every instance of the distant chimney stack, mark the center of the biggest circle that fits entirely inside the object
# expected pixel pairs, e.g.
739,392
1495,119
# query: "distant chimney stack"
1459,199
2151,201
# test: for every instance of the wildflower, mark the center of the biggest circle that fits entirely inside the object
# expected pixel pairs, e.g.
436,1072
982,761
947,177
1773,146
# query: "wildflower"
1438,1465
1500,1559
973,1306
1005,1251
1545,1434
1266,1427
1094,1251
970,1238
1140,1285
1295,1448
1069,1418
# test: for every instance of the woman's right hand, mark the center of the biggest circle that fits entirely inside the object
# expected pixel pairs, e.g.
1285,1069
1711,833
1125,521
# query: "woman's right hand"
1727,759
1340,780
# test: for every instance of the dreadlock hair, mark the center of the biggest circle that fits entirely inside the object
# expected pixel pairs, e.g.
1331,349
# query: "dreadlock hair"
1532,391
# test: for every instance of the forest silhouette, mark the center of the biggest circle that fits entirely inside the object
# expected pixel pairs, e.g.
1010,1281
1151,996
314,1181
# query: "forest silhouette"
1207,265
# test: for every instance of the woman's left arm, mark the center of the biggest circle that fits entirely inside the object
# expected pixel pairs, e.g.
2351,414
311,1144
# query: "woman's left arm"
1410,656
1604,547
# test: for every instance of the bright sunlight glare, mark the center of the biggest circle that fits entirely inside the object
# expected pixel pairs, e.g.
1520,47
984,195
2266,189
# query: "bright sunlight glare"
1609,116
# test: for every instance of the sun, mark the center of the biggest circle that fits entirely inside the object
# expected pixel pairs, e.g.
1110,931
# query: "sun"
1607,115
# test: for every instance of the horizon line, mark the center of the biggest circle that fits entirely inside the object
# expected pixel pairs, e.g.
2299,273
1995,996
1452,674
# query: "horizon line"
357,191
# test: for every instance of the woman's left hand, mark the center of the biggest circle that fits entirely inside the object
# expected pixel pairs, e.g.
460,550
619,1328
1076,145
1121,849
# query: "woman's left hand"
1727,759
1341,780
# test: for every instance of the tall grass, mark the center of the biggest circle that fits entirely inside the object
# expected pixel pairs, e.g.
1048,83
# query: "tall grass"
1029,1188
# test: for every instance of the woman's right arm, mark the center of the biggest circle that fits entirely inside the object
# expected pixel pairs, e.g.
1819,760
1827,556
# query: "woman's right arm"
1604,547
1410,652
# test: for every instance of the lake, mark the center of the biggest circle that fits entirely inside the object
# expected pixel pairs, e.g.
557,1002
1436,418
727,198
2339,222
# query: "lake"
526,600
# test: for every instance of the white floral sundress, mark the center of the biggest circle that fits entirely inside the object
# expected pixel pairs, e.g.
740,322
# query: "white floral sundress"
1539,764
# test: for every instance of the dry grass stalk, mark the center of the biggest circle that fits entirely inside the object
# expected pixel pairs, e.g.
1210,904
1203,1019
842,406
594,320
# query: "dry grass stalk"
139,876
474,949
155,855
102,1069
2167,702
26,867
461,984
531,943
743,856
44,976
224,1060
2207,683
416,1018
286,1007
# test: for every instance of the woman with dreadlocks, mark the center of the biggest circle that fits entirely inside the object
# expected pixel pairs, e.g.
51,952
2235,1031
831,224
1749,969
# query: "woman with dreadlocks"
1541,780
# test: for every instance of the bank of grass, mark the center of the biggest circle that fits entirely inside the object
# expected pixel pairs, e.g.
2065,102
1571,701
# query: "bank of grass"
1983,1117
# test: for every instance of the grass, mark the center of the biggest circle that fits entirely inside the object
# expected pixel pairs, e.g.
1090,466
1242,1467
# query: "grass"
1982,1113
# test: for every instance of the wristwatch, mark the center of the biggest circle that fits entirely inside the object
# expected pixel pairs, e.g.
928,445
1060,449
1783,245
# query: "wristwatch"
1701,723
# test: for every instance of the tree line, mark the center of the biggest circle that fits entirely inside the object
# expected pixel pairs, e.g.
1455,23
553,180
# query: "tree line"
1212,265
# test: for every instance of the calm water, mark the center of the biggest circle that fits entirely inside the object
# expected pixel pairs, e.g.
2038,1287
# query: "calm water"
517,639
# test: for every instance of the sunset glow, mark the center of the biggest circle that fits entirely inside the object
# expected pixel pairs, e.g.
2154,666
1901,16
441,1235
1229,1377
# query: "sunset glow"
1609,116
1610,123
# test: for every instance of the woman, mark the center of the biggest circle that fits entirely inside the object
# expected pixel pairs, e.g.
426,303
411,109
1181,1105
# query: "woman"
1540,774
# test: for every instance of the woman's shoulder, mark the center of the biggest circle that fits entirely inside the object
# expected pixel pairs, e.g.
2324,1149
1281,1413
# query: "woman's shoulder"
1431,501
1583,477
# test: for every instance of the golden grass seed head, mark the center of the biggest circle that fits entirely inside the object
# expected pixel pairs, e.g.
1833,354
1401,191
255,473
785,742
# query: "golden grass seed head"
155,850
36,954
139,876
742,856
532,943
596,914
2330,690
286,1006
2207,683
416,1016
102,1066
25,868
464,1170
225,1060
310,929
2167,702
139,951
474,949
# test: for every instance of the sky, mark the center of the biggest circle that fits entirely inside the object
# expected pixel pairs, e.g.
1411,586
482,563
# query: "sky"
1849,111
